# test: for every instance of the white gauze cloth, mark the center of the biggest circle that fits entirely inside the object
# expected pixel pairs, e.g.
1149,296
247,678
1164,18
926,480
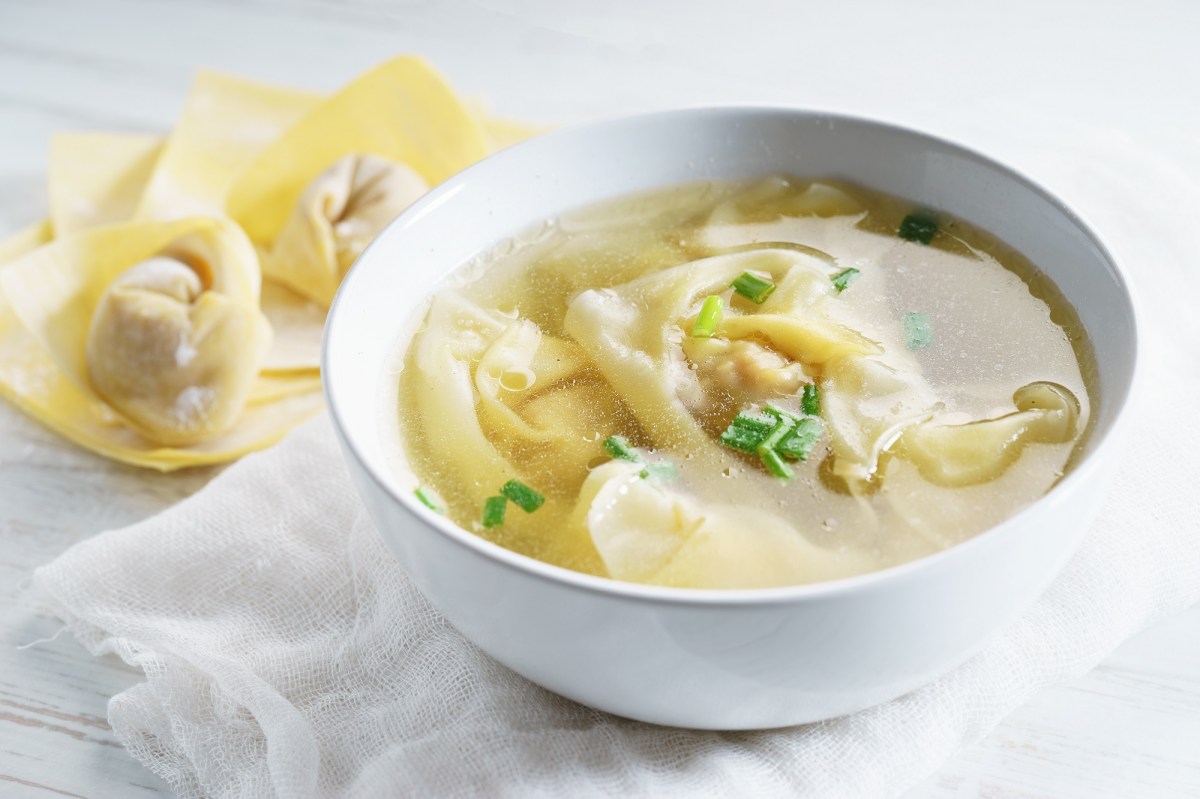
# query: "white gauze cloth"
287,654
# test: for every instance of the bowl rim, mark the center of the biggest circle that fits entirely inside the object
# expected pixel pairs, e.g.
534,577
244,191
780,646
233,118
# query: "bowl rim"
880,579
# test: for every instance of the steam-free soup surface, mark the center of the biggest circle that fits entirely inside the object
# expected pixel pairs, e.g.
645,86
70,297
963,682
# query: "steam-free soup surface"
905,383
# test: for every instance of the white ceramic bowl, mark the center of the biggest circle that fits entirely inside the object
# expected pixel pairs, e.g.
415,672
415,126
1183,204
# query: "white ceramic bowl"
721,659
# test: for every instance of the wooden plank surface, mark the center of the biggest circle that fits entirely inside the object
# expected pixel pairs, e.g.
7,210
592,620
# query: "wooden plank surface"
1131,728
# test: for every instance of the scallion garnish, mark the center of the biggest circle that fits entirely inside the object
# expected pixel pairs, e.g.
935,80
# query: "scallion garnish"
801,440
618,447
741,438
430,499
920,227
810,400
780,413
918,333
775,465
752,287
522,495
754,421
493,511
708,319
747,431
766,450
844,278
777,435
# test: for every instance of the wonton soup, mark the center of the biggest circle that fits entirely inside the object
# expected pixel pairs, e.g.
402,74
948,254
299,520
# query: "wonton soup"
741,384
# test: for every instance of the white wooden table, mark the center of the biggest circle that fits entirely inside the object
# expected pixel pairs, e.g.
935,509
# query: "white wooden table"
1131,728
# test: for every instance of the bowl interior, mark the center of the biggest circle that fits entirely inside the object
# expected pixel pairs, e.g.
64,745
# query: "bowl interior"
537,180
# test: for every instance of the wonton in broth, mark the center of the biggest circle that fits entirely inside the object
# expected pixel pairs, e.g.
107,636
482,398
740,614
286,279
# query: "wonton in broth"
742,384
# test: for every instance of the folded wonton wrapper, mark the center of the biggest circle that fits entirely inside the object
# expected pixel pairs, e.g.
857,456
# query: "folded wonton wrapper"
336,217
258,149
317,196
226,123
227,126
64,297
647,533
401,111
177,358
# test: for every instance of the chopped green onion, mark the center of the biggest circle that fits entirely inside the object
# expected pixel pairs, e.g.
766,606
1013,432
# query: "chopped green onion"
752,287
747,431
766,450
780,413
618,447
708,319
918,333
754,421
742,438
660,472
844,278
920,227
777,434
810,400
430,499
522,495
775,465
493,511
802,440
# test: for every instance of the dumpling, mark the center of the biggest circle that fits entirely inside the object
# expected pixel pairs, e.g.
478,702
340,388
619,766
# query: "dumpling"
636,334
175,358
313,198
143,342
334,220
401,111
647,533
491,386
975,452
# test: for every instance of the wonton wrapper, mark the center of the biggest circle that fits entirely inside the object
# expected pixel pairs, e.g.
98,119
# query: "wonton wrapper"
47,299
627,330
881,404
235,135
955,455
176,359
98,178
25,241
336,217
401,110
487,384
778,193
647,533
226,123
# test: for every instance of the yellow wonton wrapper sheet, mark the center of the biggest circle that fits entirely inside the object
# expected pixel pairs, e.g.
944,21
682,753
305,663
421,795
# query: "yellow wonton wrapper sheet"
226,124
232,131
25,241
55,289
230,124
98,178
42,351
401,110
